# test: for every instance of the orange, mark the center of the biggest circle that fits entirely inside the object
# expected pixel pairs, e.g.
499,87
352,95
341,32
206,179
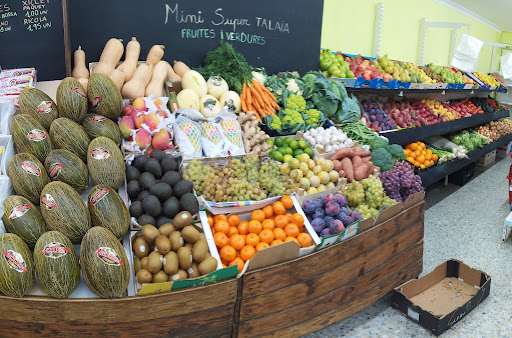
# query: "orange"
220,217
434,157
423,152
261,246
421,145
289,216
422,166
297,219
237,242
266,236
210,220
428,157
418,153
304,240
302,228
252,239
279,234
407,152
220,239
281,221
287,239
420,158
429,151
276,242
221,226
410,159
227,253
233,220
254,227
238,261
279,208
268,224
258,215
247,252
292,230
268,211
287,202
243,228
412,155
413,146
232,231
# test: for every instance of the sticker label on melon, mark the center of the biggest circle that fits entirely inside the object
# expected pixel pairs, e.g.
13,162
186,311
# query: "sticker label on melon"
80,92
19,210
31,168
45,107
48,202
99,153
99,195
96,102
55,250
230,104
98,118
109,256
15,260
55,170
36,135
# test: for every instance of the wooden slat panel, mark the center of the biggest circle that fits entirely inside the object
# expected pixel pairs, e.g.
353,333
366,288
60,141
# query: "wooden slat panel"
263,281
318,285
127,309
336,298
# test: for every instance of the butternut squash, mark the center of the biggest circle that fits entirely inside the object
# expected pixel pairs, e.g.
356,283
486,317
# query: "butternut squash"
80,70
130,60
155,54
156,86
112,53
84,82
117,76
171,75
180,68
137,85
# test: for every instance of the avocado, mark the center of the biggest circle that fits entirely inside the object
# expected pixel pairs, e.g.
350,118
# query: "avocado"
147,180
188,202
161,190
139,162
162,220
182,187
133,188
132,173
153,166
171,207
171,178
136,209
145,219
168,163
143,194
152,206
158,154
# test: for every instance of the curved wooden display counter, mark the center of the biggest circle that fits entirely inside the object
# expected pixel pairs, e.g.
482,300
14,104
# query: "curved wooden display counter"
288,299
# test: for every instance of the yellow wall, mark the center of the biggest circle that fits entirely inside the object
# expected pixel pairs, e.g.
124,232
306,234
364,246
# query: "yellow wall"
349,26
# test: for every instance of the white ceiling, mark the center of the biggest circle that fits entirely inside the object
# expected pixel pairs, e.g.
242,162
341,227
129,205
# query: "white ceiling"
497,13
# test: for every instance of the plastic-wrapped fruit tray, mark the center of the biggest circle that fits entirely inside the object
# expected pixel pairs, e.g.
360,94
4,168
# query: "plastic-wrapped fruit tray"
417,170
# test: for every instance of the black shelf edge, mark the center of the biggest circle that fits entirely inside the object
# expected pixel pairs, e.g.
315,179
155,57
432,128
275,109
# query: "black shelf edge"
385,91
414,134
437,173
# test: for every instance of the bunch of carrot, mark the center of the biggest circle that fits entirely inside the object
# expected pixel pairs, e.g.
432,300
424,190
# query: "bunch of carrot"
258,98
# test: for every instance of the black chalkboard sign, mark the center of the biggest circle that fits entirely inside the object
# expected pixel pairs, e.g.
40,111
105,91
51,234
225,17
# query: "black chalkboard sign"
280,35
32,35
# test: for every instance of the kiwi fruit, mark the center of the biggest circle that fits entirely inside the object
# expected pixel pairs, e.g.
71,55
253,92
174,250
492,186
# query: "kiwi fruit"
189,245
190,234
202,237
184,258
150,233
163,244
180,275
182,219
155,262
199,251
140,247
144,263
207,266
136,264
160,277
193,271
177,241
171,263
166,229
144,276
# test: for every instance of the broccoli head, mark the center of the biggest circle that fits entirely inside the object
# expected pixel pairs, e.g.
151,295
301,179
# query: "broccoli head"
382,158
397,152
378,142
296,102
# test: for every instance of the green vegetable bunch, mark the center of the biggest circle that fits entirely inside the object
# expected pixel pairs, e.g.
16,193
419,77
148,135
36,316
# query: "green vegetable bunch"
469,139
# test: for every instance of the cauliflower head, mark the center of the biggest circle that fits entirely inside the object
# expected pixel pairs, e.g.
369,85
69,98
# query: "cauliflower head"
296,102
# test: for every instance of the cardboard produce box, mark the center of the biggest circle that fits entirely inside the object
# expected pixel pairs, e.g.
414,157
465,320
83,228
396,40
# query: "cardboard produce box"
442,298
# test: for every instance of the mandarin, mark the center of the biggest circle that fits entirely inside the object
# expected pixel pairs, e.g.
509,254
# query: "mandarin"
237,242
297,219
220,239
276,242
279,208
252,239
279,234
268,224
233,220
287,202
221,226
220,217
304,240
266,236
268,211
254,227
227,253
243,228
292,230
261,246
281,221
247,252
258,215
239,262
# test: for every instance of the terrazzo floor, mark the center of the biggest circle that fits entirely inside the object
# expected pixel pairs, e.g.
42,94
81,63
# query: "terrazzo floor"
465,223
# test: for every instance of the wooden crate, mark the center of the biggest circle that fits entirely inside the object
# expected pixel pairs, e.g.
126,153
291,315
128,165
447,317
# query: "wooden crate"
317,290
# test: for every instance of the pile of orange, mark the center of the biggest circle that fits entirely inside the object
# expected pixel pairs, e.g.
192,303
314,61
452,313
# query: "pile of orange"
418,154
239,241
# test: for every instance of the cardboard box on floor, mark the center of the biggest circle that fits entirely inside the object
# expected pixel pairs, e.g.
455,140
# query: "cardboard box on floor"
443,297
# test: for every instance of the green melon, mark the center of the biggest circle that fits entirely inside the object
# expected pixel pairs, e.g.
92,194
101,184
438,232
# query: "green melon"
108,210
64,210
62,165
56,264
16,266
72,99
38,105
28,176
69,135
104,263
23,219
104,96
105,163
30,136
98,125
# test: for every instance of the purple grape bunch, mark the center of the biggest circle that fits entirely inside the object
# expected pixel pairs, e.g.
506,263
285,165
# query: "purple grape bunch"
400,182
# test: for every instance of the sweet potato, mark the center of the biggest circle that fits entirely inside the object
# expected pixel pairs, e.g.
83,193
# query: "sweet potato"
357,148
356,161
360,171
362,153
370,170
342,173
337,165
348,168
342,153
366,158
